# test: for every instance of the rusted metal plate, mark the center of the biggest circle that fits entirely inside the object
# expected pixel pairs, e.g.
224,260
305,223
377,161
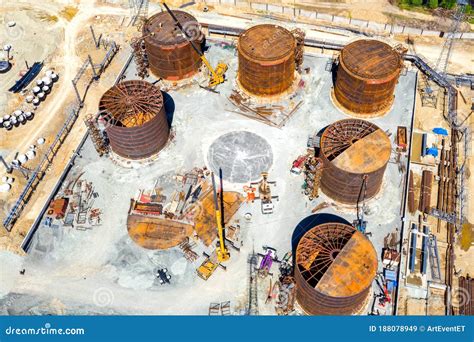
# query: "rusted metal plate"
367,74
137,126
351,149
157,233
266,59
335,267
205,216
170,55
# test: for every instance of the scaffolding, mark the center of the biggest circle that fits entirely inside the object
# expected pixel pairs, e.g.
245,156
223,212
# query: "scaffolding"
253,270
96,135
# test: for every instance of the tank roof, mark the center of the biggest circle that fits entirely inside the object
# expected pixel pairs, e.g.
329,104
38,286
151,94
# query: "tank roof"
161,29
266,42
131,103
337,260
370,59
356,146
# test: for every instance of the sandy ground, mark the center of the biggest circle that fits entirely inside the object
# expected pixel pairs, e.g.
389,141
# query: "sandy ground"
99,263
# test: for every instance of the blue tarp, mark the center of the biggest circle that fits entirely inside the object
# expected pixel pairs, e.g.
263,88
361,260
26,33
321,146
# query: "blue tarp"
440,131
432,151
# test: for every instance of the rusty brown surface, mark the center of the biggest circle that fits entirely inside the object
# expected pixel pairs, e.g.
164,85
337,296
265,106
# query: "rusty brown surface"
350,149
170,55
205,216
335,267
367,74
425,193
157,233
266,59
135,117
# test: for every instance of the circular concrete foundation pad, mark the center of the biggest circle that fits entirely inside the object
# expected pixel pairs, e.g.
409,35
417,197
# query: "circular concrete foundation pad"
241,155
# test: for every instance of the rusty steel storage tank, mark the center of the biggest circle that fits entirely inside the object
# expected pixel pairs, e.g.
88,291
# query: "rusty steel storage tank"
135,117
366,77
266,59
170,54
352,149
334,268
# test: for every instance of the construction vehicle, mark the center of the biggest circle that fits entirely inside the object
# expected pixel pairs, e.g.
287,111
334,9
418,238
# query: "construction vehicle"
222,252
267,261
298,165
384,297
217,75
265,193
360,224
208,266
163,276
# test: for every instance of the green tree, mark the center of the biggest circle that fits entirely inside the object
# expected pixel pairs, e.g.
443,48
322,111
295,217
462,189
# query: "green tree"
468,9
433,4
448,4
417,2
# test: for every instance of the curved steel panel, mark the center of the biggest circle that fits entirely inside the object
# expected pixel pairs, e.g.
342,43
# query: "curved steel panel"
366,77
334,269
170,55
266,59
344,184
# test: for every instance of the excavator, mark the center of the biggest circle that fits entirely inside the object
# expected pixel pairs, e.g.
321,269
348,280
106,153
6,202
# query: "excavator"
217,75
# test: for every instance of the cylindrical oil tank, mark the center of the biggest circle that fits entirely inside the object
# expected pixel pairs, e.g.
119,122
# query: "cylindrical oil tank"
367,74
266,59
351,150
170,55
135,116
334,269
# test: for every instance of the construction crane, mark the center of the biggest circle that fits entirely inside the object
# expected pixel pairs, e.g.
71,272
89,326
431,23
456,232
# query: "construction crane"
429,95
217,75
446,51
222,252
360,223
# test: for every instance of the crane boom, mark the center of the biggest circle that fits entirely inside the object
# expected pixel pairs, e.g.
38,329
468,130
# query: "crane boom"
222,252
217,75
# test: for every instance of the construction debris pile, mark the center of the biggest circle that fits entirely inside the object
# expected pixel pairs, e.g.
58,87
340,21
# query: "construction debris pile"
74,207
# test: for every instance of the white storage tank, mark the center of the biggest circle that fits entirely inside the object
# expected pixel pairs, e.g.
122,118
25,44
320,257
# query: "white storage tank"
31,154
46,81
5,187
29,115
22,158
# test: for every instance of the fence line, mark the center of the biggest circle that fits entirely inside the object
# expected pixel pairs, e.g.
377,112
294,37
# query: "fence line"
366,25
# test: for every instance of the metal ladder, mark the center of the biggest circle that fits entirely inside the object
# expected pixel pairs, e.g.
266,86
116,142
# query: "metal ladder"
434,258
253,299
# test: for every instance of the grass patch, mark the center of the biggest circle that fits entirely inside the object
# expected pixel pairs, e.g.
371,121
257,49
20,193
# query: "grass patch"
69,12
466,236
47,17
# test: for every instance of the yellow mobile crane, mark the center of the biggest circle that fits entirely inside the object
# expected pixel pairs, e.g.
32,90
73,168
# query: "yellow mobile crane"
221,254
217,75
